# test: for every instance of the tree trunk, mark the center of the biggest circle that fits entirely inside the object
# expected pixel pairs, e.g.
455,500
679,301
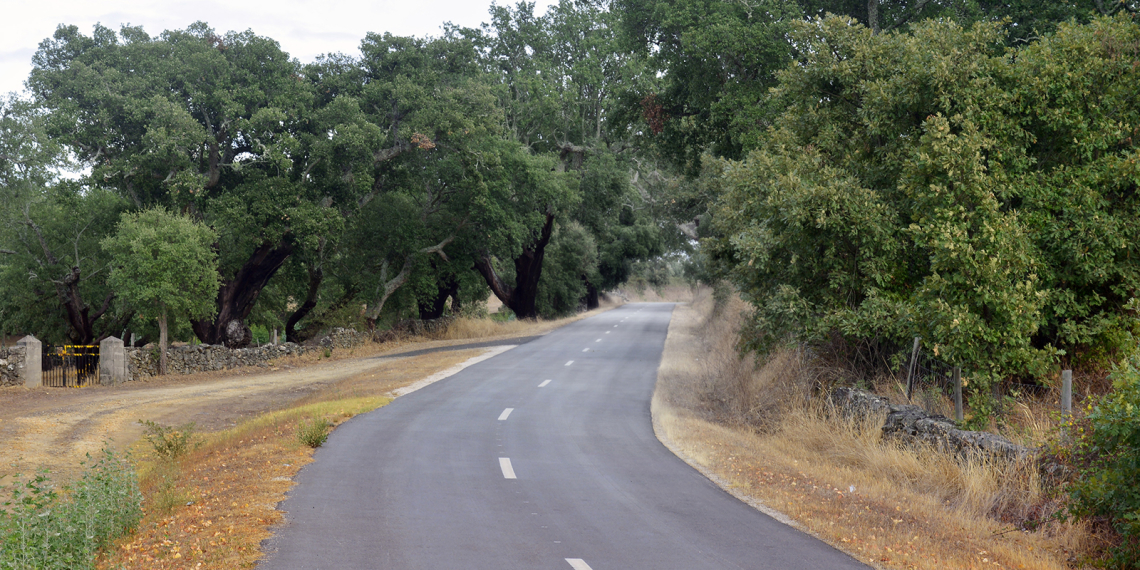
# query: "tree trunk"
162,343
873,16
389,286
592,301
237,296
316,323
316,276
433,309
528,269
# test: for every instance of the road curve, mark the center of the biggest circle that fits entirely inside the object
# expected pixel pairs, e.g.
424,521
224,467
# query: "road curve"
542,457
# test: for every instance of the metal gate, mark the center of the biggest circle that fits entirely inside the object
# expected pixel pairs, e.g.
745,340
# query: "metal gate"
71,366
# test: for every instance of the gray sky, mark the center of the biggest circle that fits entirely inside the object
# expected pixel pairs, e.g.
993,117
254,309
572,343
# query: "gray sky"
304,28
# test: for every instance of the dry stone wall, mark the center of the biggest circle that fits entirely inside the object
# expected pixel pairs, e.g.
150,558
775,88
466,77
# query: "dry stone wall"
343,338
143,362
912,423
11,366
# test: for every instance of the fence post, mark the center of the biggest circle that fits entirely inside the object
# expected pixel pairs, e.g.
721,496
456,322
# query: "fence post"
910,369
1066,393
33,373
958,415
275,337
112,361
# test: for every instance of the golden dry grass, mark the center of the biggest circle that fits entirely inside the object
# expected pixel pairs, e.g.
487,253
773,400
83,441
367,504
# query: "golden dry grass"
754,429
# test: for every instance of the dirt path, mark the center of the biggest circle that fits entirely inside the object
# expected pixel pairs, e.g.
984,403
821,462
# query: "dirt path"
55,428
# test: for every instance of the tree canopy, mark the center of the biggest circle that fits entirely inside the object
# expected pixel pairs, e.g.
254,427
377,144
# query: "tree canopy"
162,267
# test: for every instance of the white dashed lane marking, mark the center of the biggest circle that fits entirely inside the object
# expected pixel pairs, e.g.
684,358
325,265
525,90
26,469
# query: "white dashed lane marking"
578,564
599,340
544,383
569,362
587,349
505,465
506,413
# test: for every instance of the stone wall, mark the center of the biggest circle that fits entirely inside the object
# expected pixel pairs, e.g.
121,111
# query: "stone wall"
143,362
343,338
914,424
11,366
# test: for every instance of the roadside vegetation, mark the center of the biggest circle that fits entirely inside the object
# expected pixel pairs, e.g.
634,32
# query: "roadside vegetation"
759,427
859,174
45,527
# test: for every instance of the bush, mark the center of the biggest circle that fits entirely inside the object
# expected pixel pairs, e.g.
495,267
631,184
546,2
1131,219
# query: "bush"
169,442
1108,484
313,433
44,530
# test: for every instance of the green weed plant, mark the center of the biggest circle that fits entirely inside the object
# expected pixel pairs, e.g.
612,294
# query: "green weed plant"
1107,453
45,529
313,433
170,442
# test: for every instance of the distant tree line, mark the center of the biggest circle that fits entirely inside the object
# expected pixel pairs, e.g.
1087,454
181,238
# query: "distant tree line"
419,174
863,172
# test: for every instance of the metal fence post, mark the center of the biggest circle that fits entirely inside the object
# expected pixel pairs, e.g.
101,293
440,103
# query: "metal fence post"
958,394
1066,393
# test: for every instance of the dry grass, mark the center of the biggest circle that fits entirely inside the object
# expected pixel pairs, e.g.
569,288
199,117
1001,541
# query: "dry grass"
465,328
672,293
755,429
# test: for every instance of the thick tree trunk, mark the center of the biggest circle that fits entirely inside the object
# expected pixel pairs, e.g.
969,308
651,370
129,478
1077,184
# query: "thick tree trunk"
237,295
528,269
592,301
162,343
873,16
433,308
316,277
316,323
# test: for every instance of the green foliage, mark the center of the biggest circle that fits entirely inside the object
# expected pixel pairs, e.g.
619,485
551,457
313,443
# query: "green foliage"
313,433
937,184
569,258
1108,483
51,265
261,334
716,60
42,529
170,443
163,265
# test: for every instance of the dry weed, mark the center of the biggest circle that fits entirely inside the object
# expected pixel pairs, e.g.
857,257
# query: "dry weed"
888,504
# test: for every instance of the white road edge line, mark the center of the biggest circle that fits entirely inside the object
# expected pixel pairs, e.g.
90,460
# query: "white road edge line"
506,413
505,465
491,352
578,564
544,383
569,362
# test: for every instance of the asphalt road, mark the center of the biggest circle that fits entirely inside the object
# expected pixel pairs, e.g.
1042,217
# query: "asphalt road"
542,457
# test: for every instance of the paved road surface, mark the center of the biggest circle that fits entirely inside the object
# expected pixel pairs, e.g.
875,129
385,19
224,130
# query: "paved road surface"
541,458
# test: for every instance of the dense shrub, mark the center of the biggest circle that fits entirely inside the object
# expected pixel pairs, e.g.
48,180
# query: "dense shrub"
1109,482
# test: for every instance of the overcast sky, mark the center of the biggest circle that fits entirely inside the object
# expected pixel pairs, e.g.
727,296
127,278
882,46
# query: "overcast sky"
304,28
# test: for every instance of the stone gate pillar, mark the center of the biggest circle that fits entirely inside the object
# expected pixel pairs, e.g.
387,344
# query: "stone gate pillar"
33,373
112,361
